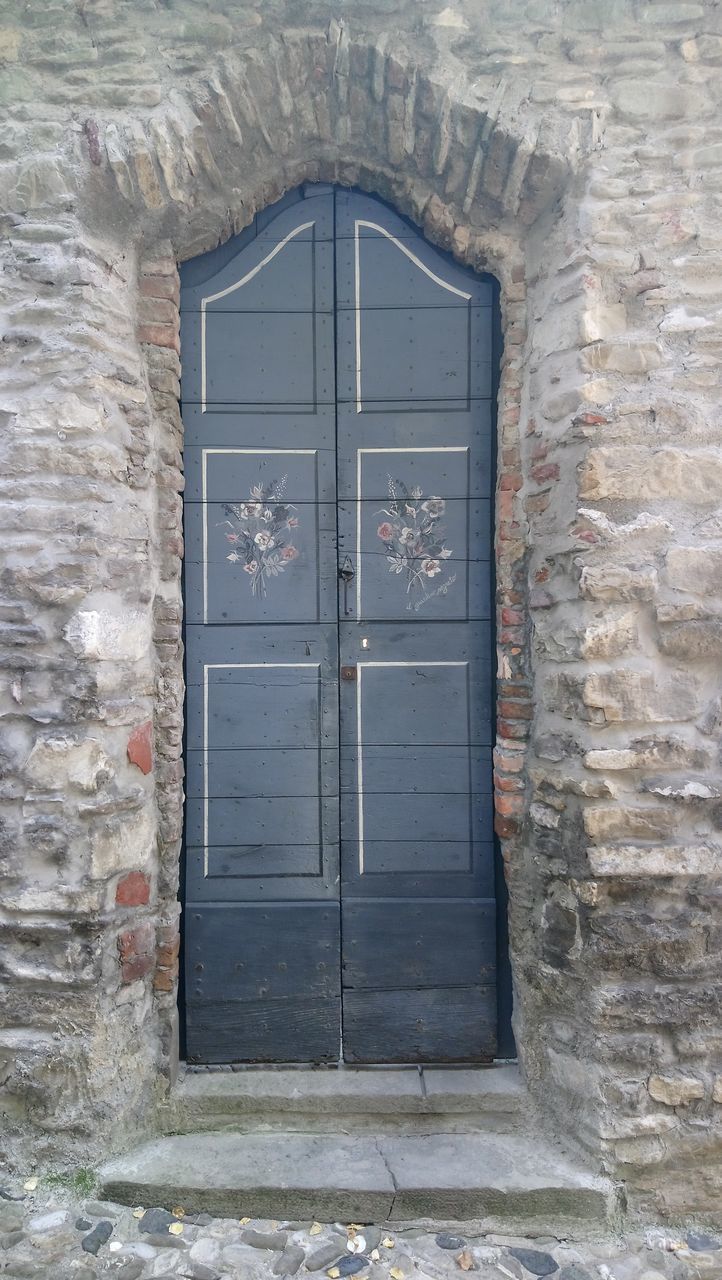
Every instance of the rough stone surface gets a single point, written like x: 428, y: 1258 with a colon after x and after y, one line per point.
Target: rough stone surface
x: 573, y: 149
x: 213, y: 1250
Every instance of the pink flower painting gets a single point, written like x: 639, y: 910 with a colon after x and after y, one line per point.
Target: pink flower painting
x: 413, y: 535
x: 258, y: 530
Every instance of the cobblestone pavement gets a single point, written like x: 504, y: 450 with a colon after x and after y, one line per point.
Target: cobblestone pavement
x: 51, y: 1232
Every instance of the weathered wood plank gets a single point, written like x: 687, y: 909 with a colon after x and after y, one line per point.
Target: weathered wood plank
x: 456, y: 1024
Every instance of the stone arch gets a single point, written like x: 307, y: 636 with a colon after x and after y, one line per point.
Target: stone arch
x: 482, y: 178
x: 475, y: 176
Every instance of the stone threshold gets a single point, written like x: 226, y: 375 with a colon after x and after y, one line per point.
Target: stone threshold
x: 313, y: 1098
x: 491, y: 1182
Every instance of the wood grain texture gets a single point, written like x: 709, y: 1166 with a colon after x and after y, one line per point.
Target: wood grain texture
x: 457, y: 1024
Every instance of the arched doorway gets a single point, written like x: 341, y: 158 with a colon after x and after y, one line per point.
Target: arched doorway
x: 339, y: 383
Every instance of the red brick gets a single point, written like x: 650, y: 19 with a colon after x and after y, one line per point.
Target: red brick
x: 507, y: 806
x: 510, y: 480
x: 511, y: 635
x: 157, y: 311
x: 140, y: 746
x: 159, y: 267
x: 136, y: 967
x: 508, y: 784
x: 545, y: 471
x: 133, y: 890
x: 505, y: 828
x: 139, y: 941
x: 505, y: 504
x: 160, y: 287
x: 160, y: 335
x: 167, y: 956
x: 591, y: 419
x: 536, y: 503
x: 515, y: 710
x: 511, y: 617
x: 510, y: 764
x: 513, y: 728
x: 163, y: 980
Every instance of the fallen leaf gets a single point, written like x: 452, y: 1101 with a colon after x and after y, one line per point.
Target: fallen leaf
x: 314, y: 1230
x: 178, y: 1212
x: 388, y: 1242
x: 465, y: 1260
x: 356, y: 1243
x: 30, y: 1185
x: 138, y: 1213
x: 333, y: 1274
x: 353, y: 1227
x: 396, y: 1273
x: 176, y: 1228
x: 374, y: 1255
x: 244, y: 1221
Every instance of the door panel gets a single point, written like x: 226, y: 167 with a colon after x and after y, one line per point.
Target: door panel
x: 262, y: 822
x: 337, y: 383
x: 414, y: 483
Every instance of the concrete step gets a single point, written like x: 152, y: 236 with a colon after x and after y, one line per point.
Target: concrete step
x: 347, y: 1098
x: 503, y: 1183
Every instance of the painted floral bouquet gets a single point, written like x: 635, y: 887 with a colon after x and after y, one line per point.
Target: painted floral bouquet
x: 413, y: 534
x: 259, y: 531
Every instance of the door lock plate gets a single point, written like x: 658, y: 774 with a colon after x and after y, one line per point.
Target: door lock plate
x: 348, y: 673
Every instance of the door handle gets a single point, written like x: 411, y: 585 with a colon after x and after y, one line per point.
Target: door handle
x: 346, y: 573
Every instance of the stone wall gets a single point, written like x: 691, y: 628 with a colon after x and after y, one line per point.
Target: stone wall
x: 575, y: 150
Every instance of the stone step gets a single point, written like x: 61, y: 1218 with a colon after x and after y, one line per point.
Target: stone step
x: 501, y: 1182
x: 322, y: 1100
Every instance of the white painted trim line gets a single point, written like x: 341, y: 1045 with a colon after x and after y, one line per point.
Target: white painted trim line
x: 359, y: 739
x: 374, y: 226
x: 357, y: 308
x: 227, y: 666
x: 213, y: 297
x: 204, y: 495
x: 441, y: 448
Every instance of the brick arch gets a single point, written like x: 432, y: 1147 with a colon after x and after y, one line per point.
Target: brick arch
x: 474, y: 180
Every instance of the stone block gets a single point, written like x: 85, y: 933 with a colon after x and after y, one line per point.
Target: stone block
x: 675, y: 1090
x: 638, y: 474
x: 109, y: 637
x: 695, y: 569
x: 645, y: 99
x: 651, y: 861
x: 9, y: 44
x: 619, y: 821
x: 61, y: 760
x: 693, y: 641
x: 650, y: 753
x: 622, y: 357
x: 122, y: 841
x: 603, y: 321
x: 627, y: 695
x: 682, y: 789
x: 618, y: 582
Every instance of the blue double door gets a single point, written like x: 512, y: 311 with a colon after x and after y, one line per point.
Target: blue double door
x: 339, y: 875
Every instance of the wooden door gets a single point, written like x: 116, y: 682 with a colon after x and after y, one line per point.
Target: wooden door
x: 414, y: 382
x: 262, y: 899
x: 337, y: 389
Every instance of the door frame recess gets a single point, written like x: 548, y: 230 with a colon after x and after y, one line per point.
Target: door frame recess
x: 196, y: 270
